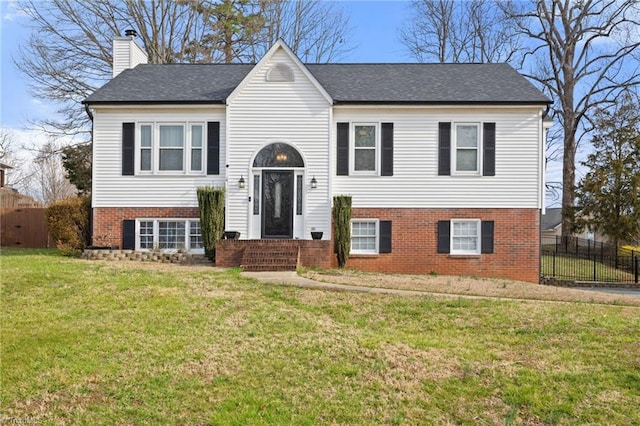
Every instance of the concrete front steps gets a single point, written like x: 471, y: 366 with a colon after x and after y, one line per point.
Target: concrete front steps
x: 270, y: 255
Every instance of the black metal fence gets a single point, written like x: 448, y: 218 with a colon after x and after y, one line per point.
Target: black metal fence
x: 578, y: 259
x: 579, y: 247
x: 600, y: 268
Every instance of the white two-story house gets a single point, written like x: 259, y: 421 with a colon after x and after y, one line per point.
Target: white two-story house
x: 444, y: 162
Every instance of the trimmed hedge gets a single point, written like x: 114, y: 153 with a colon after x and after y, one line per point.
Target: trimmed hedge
x: 68, y: 222
x: 342, y: 227
x: 211, y: 206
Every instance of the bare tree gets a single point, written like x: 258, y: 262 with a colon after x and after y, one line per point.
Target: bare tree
x: 582, y: 55
x: 11, y: 155
x: 460, y: 31
x: 316, y: 31
x: 69, y: 52
x: 49, y: 182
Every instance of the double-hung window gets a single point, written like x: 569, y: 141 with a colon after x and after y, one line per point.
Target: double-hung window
x: 171, y: 148
x: 196, y: 147
x: 465, y: 236
x: 365, y: 148
x: 145, y: 147
x: 364, y: 236
x: 467, y: 148
x: 170, y: 235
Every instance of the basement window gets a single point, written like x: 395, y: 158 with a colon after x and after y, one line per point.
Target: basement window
x: 169, y: 235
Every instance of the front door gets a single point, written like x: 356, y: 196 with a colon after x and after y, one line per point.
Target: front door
x: 277, y: 202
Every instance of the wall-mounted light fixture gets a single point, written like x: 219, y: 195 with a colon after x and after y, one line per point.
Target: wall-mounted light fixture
x: 242, y: 184
x: 314, y: 183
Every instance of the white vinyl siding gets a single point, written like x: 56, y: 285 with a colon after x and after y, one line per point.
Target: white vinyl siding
x: 147, y: 188
x: 415, y: 182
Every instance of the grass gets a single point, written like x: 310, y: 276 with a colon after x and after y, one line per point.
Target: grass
x: 582, y: 269
x: 132, y: 343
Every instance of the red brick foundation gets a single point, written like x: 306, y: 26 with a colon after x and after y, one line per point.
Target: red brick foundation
x: 414, y: 241
x: 414, y: 244
x: 107, y: 221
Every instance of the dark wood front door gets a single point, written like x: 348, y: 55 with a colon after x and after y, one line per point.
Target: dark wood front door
x: 277, y: 202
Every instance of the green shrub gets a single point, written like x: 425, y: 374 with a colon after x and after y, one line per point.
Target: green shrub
x: 68, y: 222
x: 342, y: 227
x: 211, y: 206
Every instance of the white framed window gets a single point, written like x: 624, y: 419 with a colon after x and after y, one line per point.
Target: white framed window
x: 466, y: 152
x: 197, y: 132
x: 364, y: 236
x: 170, y: 148
x: 365, y: 148
x: 146, y: 147
x: 465, y: 236
x: 169, y: 234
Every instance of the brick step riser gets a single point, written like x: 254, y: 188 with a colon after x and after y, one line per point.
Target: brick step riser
x: 270, y: 256
x: 261, y: 269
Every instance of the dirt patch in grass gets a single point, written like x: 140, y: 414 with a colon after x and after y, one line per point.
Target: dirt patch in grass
x: 487, y: 287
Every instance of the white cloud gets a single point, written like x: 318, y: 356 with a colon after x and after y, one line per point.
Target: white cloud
x: 12, y: 11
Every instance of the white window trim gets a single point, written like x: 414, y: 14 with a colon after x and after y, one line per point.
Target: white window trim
x: 377, y: 236
x: 352, y: 150
x: 454, y: 150
x: 478, y: 223
x: 156, y: 234
x: 155, y: 148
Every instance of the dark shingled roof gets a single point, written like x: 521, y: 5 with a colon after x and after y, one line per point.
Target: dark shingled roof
x: 551, y: 219
x: 345, y: 83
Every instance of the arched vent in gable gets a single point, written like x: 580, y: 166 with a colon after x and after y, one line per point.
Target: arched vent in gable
x: 280, y: 73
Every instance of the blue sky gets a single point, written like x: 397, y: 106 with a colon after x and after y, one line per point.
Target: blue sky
x: 375, y: 27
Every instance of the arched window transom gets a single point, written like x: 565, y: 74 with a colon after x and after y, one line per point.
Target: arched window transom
x: 278, y: 155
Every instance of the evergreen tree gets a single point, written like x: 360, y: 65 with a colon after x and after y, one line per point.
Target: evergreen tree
x: 609, y: 194
x: 76, y: 160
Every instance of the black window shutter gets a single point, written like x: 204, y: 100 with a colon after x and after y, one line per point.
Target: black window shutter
x: 385, y: 236
x: 489, y: 149
x: 128, y: 234
x: 444, y: 228
x: 487, y: 237
x: 387, y: 149
x: 342, y: 165
x: 128, y: 149
x: 213, y: 148
x: 444, y: 149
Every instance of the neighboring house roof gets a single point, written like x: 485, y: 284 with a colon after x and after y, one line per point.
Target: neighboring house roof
x: 551, y: 219
x: 345, y: 83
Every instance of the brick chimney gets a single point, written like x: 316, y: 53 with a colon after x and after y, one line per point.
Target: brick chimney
x: 127, y: 53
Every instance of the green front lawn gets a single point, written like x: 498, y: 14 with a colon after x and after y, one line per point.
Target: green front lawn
x: 107, y: 343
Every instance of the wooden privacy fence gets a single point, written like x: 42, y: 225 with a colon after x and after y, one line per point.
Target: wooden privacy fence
x: 24, y: 227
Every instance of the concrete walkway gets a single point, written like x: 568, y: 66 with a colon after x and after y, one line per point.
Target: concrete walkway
x: 291, y: 278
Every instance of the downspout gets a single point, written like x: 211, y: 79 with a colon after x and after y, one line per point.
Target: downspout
x: 90, y: 114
